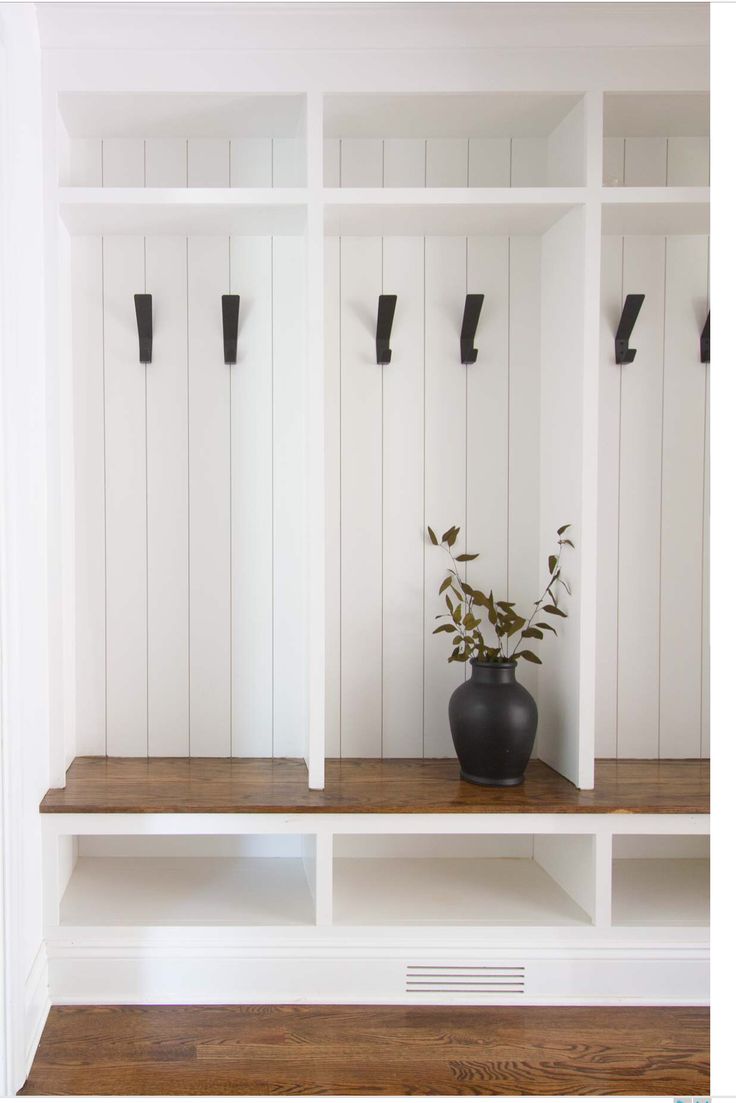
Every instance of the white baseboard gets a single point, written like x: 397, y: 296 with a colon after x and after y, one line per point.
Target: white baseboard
x: 212, y: 975
x: 37, y: 1004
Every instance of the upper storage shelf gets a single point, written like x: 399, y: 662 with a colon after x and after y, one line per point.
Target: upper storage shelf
x: 173, y: 140
x: 656, y: 139
x: 454, y: 141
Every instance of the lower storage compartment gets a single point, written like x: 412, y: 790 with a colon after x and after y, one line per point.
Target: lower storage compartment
x: 660, y: 880
x: 170, y: 881
x: 466, y: 880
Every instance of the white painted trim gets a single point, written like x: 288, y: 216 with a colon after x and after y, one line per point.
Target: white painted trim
x: 37, y: 1004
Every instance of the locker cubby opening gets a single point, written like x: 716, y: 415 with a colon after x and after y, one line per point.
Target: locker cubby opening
x: 661, y: 880
x: 178, y: 140
x: 463, y: 880
x: 186, y: 880
x: 656, y: 139
x: 652, y: 692
x: 495, y: 447
x: 453, y: 141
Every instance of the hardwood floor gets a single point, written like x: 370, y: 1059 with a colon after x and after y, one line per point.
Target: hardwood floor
x: 298, y: 1050
x: 368, y: 785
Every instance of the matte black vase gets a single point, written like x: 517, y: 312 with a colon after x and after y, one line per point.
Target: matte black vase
x: 493, y: 721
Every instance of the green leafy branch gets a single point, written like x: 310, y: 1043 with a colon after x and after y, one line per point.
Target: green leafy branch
x: 510, y: 628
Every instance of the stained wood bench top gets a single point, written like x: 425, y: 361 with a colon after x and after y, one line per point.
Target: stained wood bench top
x: 98, y: 784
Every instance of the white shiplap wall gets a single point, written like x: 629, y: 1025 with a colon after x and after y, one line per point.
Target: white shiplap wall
x: 185, y: 162
x: 189, y: 474
x: 656, y: 162
x: 423, y: 440
x: 189, y: 499
x: 652, y: 689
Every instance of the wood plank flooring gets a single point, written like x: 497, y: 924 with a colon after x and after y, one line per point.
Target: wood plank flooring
x: 368, y: 785
x: 298, y: 1050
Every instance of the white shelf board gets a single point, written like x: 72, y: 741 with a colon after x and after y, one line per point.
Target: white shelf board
x: 656, y: 210
x: 450, y: 891
x: 661, y: 892
x: 445, y: 211
x: 248, y: 211
x: 154, y: 892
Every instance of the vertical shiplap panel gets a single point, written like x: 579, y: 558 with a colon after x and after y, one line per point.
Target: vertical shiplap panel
x: 403, y: 502
x: 332, y: 495
x: 289, y: 498
x: 645, y: 162
x: 613, y: 162
x: 404, y: 162
x: 486, y: 529
x: 331, y: 163
x: 208, y: 162
x: 122, y: 163
x: 289, y: 170
x: 445, y: 467
x: 640, y: 506
x: 167, y: 500
x: 166, y: 162
x: 361, y: 163
x: 209, y: 502
x: 89, y: 492
x: 524, y: 552
x: 528, y: 162
x: 609, y: 414
x: 251, y: 384
x: 251, y: 163
x: 688, y: 162
x: 489, y: 163
x: 447, y: 162
x: 686, y: 283
x: 125, y: 495
x: 85, y: 163
x: 360, y: 497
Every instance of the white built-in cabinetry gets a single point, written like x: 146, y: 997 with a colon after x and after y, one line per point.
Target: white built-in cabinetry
x: 244, y: 550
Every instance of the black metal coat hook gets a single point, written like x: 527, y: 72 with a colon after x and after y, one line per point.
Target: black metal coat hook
x: 471, y: 314
x: 629, y: 314
x: 705, y: 342
x: 230, y: 311
x: 144, y: 320
x: 384, y: 322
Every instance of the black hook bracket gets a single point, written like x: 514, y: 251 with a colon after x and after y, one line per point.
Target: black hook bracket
x: 144, y: 320
x: 230, y: 311
x: 629, y: 314
x: 471, y: 314
x: 705, y: 342
x: 384, y: 322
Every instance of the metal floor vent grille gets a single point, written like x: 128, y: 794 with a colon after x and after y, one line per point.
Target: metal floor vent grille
x: 475, y: 980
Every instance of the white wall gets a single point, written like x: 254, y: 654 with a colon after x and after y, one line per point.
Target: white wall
x: 189, y: 499
x: 652, y: 683
x: 24, y: 609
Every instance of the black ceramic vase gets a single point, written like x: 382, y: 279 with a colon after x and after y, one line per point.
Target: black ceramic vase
x: 493, y: 721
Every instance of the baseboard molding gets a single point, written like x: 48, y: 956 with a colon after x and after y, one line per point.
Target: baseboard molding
x: 394, y: 976
x: 37, y: 1004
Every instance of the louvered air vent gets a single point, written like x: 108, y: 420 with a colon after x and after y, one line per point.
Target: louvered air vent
x: 475, y: 980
